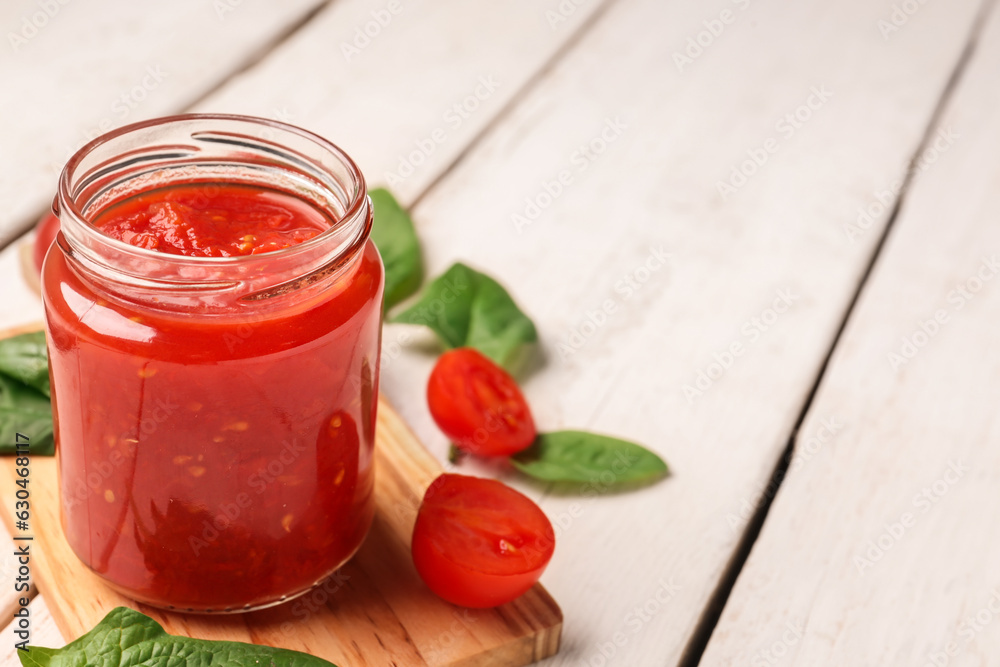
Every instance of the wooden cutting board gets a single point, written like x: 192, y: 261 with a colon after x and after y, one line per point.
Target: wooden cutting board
x: 375, y: 611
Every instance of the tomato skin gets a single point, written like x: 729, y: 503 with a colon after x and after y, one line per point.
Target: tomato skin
x: 45, y: 233
x: 479, y: 543
x: 478, y: 405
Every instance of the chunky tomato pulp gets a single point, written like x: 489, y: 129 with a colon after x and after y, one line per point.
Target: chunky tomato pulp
x: 215, y: 460
x: 212, y: 220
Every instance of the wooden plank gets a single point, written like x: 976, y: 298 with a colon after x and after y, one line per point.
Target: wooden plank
x: 21, y: 304
x: 75, y: 70
x: 378, y: 100
x: 406, y: 101
x: 420, y: 89
x: 634, y: 571
x: 881, y: 549
x: 674, y: 182
x: 373, y: 611
x: 407, y: 72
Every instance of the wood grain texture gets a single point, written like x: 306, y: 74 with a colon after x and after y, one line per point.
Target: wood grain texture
x: 634, y: 571
x: 407, y: 82
x: 374, y: 611
x: 881, y: 547
x: 83, y: 68
x: 408, y: 102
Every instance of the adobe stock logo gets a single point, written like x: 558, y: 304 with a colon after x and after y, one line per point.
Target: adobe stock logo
x: 459, y: 112
x: 751, y: 330
x: 629, y: 284
x: 633, y: 623
x: 927, y: 498
x: 901, y: 14
x: 562, y: 13
x: 805, y: 450
x: 550, y: 190
x: 924, y: 333
x: 786, y: 126
x: 884, y: 199
x: 33, y: 23
x: 698, y: 44
x: 366, y: 33
x: 968, y: 630
x: 777, y: 650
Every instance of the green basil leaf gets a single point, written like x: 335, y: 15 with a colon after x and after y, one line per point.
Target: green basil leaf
x: 396, y: 240
x: 25, y: 358
x: 126, y: 638
x: 466, y: 308
x: 581, y: 457
x: 26, y: 411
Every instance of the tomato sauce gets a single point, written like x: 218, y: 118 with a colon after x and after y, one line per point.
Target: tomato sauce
x: 212, y: 221
x: 214, y: 461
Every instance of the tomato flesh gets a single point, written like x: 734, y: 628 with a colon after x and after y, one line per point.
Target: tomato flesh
x: 45, y: 234
x: 216, y: 220
x: 478, y: 405
x: 479, y: 543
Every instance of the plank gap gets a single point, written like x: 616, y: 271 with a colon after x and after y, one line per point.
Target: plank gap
x: 695, y: 649
x: 256, y: 56
x: 518, y: 97
x: 260, y: 54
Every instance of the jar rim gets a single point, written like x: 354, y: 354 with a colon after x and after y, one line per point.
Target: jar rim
x: 66, y: 201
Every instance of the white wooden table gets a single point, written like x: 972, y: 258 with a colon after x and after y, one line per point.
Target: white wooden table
x: 813, y: 357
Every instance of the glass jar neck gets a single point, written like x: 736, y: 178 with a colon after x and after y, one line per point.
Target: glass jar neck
x: 211, y: 149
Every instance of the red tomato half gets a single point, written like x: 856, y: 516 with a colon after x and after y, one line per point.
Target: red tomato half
x: 45, y: 234
x: 478, y: 405
x: 479, y: 543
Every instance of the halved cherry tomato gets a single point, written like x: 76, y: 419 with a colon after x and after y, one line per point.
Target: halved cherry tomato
x: 479, y: 543
x: 45, y: 233
x: 478, y: 405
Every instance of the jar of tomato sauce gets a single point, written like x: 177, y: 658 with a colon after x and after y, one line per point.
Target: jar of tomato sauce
x: 213, y: 305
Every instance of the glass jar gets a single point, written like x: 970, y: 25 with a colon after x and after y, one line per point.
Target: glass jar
x: 214, y: 416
